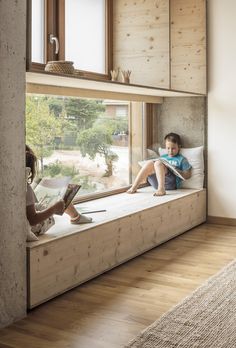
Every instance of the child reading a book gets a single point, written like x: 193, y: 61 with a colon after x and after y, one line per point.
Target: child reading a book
x: 158, y: 174
x: 42, y: 219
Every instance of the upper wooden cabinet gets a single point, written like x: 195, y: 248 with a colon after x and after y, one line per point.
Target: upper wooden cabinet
x: 141, y: 40
x: 188, y: 45
x: 163, y: 42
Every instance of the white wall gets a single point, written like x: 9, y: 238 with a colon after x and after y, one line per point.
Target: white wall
x: 222, y: 108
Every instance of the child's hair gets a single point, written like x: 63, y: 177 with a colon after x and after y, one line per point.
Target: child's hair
x: 31, y: 162
x: 174, y: 138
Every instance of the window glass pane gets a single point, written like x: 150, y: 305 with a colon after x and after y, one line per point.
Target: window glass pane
x: 82, y: 138
x: 37, y: 41
x: 85, y: 34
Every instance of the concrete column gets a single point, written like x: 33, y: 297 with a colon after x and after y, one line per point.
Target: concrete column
x: 12, y: 171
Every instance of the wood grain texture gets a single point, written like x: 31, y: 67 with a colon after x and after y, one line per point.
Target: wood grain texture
x: 88, y: 93
x: 221, y: 220
x: 188, y: 45
x: 64, y: 262
x: 43, y: 82
x: 108, y: 311
x: 141, y: 40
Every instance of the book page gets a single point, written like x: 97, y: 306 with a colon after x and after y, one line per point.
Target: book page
x: 171, y: 168
x: 141, y: 163
x: 51, y: 190
x: 166, y: 163
x: 71, y: 191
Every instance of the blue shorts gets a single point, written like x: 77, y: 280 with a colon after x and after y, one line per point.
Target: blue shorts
x: 170, y: 181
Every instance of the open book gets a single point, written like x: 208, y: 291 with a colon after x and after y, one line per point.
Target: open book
x: 48, y: 191
x: 166, y: 163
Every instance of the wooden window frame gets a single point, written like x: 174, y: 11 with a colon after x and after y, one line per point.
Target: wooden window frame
x: 55, y: 23
x: 145, y: 110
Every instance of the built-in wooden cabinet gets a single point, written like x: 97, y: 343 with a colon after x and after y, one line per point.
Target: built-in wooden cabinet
x: 162, y: 42
x: 188, y: 45
x: 141, y: 40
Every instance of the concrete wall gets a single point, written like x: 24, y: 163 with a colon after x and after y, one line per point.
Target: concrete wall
x: 221, y: 108
x: 12, y: 172
x: 185, y: 116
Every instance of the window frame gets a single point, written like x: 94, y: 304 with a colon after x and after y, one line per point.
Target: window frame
x: 55, y: 23
x: 132, y: 134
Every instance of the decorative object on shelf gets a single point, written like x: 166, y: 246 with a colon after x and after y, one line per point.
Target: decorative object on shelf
x: 115, y: 74
x: 60, y: 67
x: 126, y: 76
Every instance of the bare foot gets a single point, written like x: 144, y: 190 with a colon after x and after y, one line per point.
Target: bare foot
x: 131, y: 190
x: 159, y: 192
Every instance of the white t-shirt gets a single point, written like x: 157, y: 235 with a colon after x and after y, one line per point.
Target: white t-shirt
x: 43, y: 226
x: 30, y: 196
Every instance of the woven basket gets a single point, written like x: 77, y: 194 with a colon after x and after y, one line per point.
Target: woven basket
x: 60, y: 67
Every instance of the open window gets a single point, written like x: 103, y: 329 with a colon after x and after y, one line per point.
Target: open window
x: 72, y: 30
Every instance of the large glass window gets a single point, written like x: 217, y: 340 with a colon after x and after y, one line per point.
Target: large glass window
x: 86, y: 139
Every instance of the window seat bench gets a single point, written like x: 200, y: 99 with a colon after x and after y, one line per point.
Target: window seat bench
x: 68, y: 255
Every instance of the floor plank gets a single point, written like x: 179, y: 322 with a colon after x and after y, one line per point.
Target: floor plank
x: 111, y: 309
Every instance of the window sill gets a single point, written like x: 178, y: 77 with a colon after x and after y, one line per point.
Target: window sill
x: 48, y: 83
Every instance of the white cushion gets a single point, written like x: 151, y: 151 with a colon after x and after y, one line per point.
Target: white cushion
x: 151, y: 154
x: 195, y: 157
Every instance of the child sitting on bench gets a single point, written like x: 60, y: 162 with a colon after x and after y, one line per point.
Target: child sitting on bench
x: 41, y: 220
x: 158, y: 175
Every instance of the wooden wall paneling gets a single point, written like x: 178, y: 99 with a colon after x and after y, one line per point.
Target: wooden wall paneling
x: 141, y: 40
x: 188, y: 45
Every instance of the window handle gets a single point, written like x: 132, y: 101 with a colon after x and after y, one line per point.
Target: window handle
x: 53, y: 39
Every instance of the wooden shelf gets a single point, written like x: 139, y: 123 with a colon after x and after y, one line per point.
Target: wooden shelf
x: 48, y: 83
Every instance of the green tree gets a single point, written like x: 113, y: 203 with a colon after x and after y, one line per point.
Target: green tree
x: 98, y: 140
x: 56, y: 105
x: 115, y: 126
x: 41, y: 126
x: 83, y: 112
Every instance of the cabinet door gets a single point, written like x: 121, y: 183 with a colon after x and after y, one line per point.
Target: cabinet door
x: 188, y: 45
x: 141, y: 40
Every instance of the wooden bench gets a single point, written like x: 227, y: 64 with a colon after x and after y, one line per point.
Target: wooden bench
x: 69, y: 255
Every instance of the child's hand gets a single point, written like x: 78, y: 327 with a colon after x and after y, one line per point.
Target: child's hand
x: 59, y: 207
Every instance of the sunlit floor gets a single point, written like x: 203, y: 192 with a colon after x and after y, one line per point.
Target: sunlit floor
x: 111, y: 309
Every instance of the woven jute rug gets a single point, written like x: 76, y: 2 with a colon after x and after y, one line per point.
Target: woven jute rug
x: 206, y: 318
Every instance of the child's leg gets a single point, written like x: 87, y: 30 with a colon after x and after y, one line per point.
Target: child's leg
x: 146, y: 170
x: 160, y: 171
x: 71, y: 211
x: 75, y: 217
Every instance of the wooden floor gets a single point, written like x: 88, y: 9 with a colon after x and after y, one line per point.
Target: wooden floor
x: 111, y: 309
